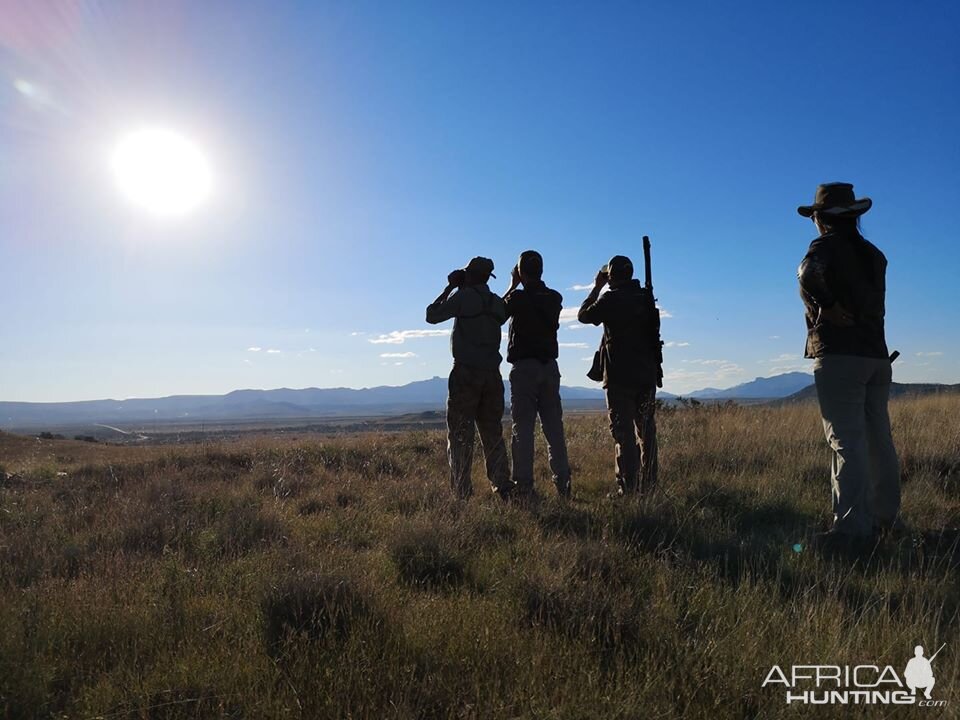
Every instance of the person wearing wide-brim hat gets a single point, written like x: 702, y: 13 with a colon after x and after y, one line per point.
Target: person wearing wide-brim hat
x: 843, y: 286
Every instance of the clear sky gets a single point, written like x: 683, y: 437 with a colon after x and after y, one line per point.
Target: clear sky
x: 361, y: 150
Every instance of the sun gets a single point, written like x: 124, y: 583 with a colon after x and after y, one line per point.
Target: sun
x: 161, y: 171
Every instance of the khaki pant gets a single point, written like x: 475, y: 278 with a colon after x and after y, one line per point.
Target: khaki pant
x: 632, y: 415
x: 476, y: 399
x: 535, y: 390
x: 865, y: 477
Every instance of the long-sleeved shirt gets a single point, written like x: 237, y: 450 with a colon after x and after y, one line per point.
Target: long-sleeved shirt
x: 631, y: 334
x: 534, y: 313
x: 477, y: 316
x: 844, y: 268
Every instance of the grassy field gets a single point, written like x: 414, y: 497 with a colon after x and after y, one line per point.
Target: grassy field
x: 321, y: 578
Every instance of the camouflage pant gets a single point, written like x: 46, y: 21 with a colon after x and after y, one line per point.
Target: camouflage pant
x: 476, y: 399
x: 632, y: 414
x: 535, y: 390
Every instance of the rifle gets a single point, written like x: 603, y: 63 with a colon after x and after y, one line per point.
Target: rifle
x: 647, y: 280
x: 648, y: 284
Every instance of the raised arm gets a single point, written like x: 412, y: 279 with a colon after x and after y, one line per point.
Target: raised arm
x: 591, y: 311
x: 445, y: 306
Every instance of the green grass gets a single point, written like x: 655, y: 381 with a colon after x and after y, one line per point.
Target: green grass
x: 339, y: 578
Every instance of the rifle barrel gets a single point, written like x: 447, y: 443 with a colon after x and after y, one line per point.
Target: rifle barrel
x: 647, y: 278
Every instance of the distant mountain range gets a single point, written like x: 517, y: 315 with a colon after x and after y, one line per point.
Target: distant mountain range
x: 255, y: 405
x: 420, y: 396
x: 778, y: 386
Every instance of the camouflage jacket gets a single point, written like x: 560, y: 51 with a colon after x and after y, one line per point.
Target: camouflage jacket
x: 477, y: 316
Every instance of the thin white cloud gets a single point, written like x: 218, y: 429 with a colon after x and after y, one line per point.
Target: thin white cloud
x: 664, y: 313
x: 398, y: 355
x: 935, y: 353
x: 588, y: 286
x: 568, y: 315
x: 254, y: 349
x: 683, y: 380
x: 700, y: 361
x: 398, y: 337
x: 674, y: 343
x: 796, y: 367
x: 357, y: 333
x: 781, y: 358
x: 273, y: 351
x: 774, y: 337
x: 573, y: 345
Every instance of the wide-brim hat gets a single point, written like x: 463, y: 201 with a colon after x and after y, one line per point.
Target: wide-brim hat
x: 836, y: 199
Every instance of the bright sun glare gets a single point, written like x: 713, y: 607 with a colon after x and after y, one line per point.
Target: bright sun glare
x: 161, y: 171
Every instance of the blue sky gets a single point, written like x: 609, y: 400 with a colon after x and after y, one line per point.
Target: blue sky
x: 362, y: 150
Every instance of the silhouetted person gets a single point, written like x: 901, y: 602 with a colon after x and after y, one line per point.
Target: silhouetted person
x: 534, y: 313
x: 630, y: 354
x: 919, y: 673
x: 475, y: 387
x: 843, y: 286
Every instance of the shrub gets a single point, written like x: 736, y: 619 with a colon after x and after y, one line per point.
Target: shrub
x: 244, y: 527
x: 316, y: 606
x: 426, y: 558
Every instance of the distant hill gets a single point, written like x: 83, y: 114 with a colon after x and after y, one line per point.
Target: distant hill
x: 896, y: 390
x: 422, y: 396
x: 415, y: 397
x: 778, y: 386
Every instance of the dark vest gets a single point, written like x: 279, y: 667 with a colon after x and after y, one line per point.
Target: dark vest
x: 534, y: 313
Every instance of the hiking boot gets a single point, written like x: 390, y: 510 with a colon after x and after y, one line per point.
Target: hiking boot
x: 563, y: 489
x: 895, y: 530
x: 834, y: 544
x: 619, y: 494
x: 529, y: 499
